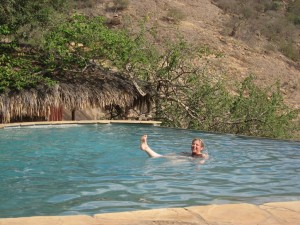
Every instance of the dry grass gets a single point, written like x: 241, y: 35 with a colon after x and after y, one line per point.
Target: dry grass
x: 98, y: 91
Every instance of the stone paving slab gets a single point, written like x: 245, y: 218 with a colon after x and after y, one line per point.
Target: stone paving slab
x: 50, y: 220
x: 154, y: 217
x: 284, y: 212
x: 277, y: 213
x: 234, y: 214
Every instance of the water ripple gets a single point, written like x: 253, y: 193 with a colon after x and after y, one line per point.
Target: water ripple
x: 92, y: 169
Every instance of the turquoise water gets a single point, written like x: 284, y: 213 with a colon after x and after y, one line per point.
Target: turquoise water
x: 90, y: 169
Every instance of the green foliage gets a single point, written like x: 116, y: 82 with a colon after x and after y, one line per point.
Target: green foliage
x: 4, y: 29
x: 260, y: 112
x: 209, y: 107
x: 72, y: 46
x: 188, y: 98
x: 82, y: 39
x: 18, y: 72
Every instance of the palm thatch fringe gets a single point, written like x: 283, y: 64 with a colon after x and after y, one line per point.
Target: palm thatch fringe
x: 97, y: 90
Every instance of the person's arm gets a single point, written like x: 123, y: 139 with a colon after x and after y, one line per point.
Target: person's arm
x: 144, y: 146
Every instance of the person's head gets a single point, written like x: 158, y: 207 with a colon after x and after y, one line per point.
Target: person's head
x: 197, y: 146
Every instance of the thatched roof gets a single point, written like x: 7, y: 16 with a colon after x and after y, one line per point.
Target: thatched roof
x: 90, y: 89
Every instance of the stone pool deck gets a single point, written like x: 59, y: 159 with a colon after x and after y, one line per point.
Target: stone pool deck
x: 276, y: 213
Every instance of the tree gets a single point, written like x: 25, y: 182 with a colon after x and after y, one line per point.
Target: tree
x: 187, y: 97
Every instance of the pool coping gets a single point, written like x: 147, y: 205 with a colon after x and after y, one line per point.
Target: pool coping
x: 274, y: 213
x: 70, y: 122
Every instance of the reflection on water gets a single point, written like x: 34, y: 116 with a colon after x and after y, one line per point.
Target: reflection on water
x: 89, y: 169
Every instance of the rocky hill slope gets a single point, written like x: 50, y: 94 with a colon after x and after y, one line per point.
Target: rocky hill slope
x: 203, y: 22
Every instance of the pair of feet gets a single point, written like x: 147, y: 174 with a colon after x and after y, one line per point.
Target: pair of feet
x: 144, y: 145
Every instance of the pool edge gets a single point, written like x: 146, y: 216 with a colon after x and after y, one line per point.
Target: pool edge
x: 24, y: 124
x: 275, y: 213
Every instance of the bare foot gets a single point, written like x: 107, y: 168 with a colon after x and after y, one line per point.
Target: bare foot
x: 144, y: 146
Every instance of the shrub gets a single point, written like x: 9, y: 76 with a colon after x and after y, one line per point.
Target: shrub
x: 81, y: 4
x: 20, y: 71
x: 175, y: 15
x: 275, y: 5
x: 260, y: 112
x: 290, y: 50
x: 28, y: 15
x: 208, y: 106
x: 189, y: 98
x: 294, y: 12
x: 118, y: 5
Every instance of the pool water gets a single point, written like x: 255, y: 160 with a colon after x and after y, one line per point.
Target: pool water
x: 90, y: 169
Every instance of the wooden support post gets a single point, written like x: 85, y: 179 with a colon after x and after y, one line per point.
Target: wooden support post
x: 73, y: 114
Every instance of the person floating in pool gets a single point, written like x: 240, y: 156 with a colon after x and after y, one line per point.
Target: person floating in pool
x: 197, y: 147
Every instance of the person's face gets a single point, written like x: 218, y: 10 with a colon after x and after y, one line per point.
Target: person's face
x: 196, y: 147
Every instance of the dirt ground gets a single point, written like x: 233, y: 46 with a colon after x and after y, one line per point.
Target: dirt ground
x: 203, y: 23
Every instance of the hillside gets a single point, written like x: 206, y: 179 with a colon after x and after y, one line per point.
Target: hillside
x: 204, y: 23
x: 195, y: 59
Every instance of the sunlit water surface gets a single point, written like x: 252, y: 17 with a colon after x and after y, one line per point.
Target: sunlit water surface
x: 90, y: 169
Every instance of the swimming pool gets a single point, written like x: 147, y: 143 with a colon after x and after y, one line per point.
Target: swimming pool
x: 90, y: 169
